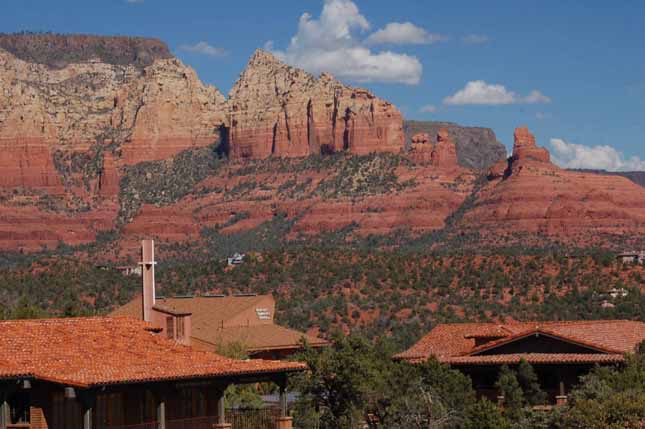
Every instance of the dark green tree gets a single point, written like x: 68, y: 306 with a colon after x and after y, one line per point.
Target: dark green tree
x: 510, y: 389
x: 484, y: 414
x: 526, y: 376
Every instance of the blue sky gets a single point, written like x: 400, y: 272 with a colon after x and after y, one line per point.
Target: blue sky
x: 573, y: 71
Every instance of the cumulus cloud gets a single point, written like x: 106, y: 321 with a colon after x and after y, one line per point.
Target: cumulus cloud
x: 332, y: 43
x: 403, y: 33
x: 480, y: 92
x: 205, y: 49
x: 428, y: 109
x: 475, y: 39
x: 570, y: 155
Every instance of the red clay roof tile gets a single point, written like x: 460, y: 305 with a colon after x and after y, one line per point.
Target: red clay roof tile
x: 102, y: 350
x: 452, y: 343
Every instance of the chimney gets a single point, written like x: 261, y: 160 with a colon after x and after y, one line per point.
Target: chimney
x: 148, y: 267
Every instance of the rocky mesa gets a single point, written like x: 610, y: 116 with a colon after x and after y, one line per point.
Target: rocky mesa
x: 59, y: 114
x: 279, y: 110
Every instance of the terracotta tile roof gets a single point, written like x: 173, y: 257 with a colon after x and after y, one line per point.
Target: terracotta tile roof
x: 102, y: 350
x: 211, y: 309
x: 211, y: 321
x: 455, y: 343
x: 535, y: 358
x: 264, y: 337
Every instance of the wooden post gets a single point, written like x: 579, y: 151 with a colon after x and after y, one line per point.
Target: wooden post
x: 161, y: 414
x: 87, y: 399
x: 87, y: 418
x: 561, y: 399
x: 4, y: 412
x: 284, y: 421
x: 221, y: 411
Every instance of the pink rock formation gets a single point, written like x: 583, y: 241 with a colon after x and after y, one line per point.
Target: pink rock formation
x: 421, y: 149
x: 280, y: 110
x: 444, y: 153
x: 530, y: 194
x: 525, y: 147
x: 150, y: 113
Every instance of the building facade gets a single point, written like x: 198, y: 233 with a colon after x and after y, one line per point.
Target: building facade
x: 560, y: 352
x: 114, y: 373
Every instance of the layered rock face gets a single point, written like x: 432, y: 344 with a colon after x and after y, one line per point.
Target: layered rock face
x: 421, y: 149
x: 477, y: 147
x: 444, y: 153
x: 280, y: 110
x: 524, y: 147
x: 50, y: 113
x: 74, y: 111
x: 529, y: 194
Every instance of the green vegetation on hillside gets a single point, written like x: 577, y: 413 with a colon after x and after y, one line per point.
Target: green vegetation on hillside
x: 164, y: 182
x: 377, y: 294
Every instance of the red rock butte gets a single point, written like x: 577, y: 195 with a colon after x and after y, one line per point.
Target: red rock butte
x: 279, y: 110
x: 527, y: 193
x: 444, y: 153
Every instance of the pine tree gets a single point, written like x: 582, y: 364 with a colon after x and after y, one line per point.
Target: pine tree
x: 529, y: 383
x: 509, y: 387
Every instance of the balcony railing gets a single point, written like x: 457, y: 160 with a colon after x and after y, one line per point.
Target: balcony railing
x: 263, y: 418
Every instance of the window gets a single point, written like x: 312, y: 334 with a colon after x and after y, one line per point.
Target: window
x: 170, y: 327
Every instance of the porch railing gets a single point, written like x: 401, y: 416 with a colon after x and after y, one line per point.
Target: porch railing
x: 263, y: 418
x: 205, y: 422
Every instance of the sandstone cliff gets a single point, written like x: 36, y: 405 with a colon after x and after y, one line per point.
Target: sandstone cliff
x: 283, y: 111
x: 529, y: 194
x: 444, y: 153
x: 441, y: 154
x: 477, y: 147
x: 57, y: 121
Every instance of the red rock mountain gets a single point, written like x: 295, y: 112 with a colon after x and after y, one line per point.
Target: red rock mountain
x: 529, y: 194
x: 117, y: 135
x: 280, y: 110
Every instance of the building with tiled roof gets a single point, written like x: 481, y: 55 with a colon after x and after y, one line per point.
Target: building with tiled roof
x: 217, y: 321
x: 105, y: 372
x: 559, y: 351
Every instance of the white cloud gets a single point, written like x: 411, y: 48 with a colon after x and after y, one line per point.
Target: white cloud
x: 428, y: 109
x: 331, y: 44
x: 536, y: 97
x: 204, y: 48
x: 482, y: 93
x: 475, y: 39
x: 405, y: 33
x: 570, y: 155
